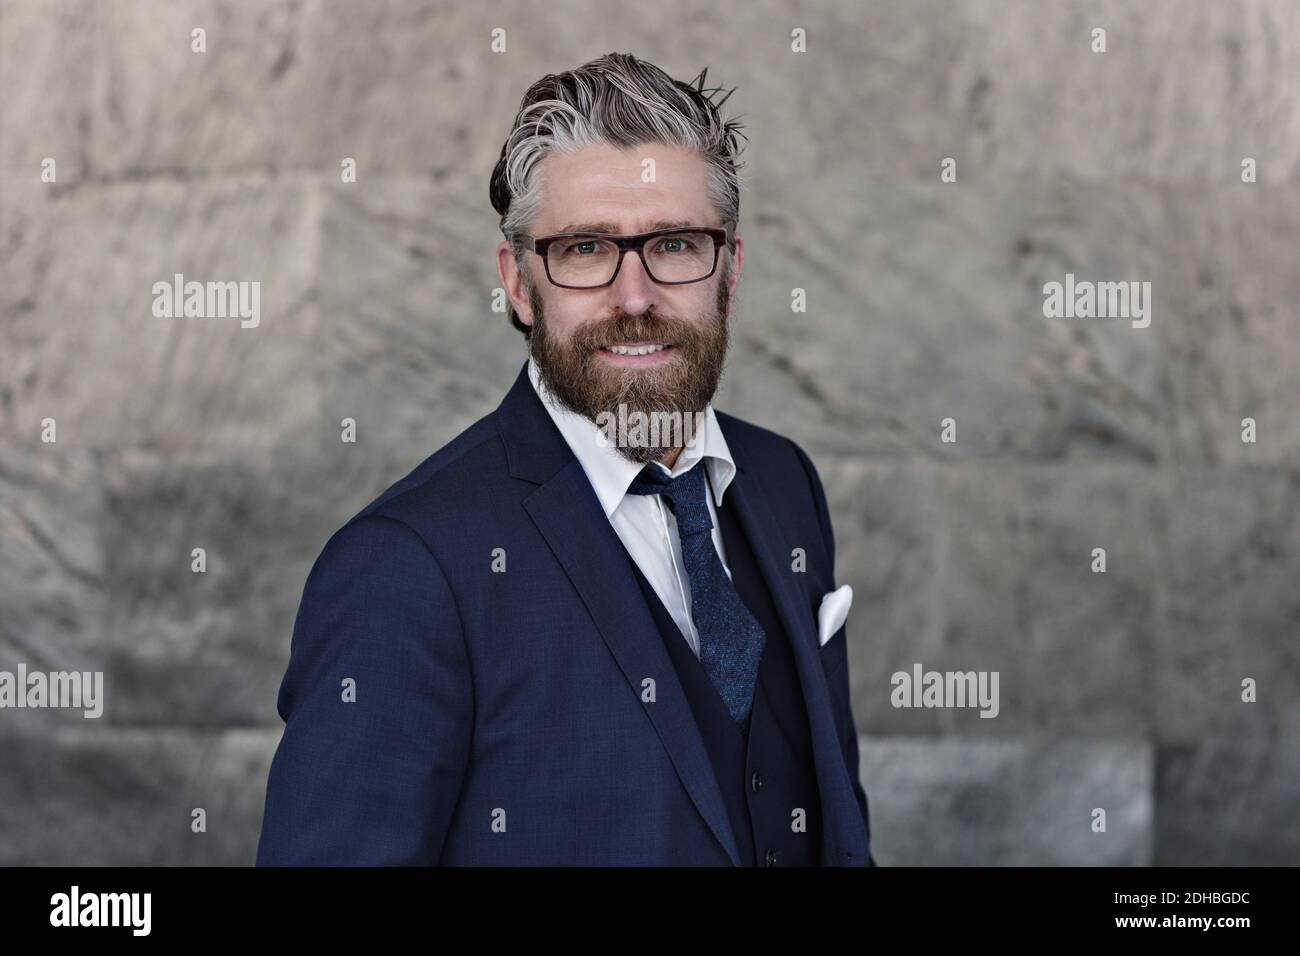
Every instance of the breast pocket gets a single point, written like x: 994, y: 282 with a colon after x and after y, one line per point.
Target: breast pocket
x: 834, y: 653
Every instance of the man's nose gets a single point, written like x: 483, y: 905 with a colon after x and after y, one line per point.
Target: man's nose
x: 633, y: 290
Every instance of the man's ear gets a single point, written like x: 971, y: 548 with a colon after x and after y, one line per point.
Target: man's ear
x: 513, y: 281
x: 737, y: 263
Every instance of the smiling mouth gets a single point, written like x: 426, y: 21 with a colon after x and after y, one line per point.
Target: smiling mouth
x: 637, y: 348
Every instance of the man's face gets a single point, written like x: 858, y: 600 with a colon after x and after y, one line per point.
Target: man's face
x: 572, y: 328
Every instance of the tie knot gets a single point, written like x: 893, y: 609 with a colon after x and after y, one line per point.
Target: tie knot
x: 685, y: 494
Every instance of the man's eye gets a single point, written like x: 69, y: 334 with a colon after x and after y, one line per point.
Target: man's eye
x: 585, y: 247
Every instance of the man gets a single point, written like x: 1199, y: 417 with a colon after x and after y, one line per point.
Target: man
x: 564, y: 638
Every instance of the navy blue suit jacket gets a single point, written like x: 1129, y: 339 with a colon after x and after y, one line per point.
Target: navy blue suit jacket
x: 498, y: 715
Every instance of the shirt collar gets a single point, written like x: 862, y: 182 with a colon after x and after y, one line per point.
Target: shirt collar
x: 610, y: 473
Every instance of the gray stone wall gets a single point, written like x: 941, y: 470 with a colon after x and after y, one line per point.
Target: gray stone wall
x: 1119, y: 690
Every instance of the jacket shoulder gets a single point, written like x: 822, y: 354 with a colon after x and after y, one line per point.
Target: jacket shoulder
x: 449, y: 481
x: 762, y: 446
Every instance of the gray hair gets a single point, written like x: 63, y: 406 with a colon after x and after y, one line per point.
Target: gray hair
x: 621, y: 101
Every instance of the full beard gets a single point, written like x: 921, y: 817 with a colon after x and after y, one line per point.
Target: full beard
x: 681, y: 386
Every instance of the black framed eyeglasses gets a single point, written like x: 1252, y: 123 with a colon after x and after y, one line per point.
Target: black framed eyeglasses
x: 591, y: 260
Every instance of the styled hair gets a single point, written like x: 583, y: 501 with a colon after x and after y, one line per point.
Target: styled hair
x: 615, y: 100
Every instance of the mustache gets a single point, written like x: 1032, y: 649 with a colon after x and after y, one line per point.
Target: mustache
x: 635, y: 328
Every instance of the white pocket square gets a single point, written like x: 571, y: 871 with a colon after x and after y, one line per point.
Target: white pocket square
x: 833, y: 613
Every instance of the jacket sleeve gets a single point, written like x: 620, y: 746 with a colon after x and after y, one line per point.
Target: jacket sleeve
x: 377, y: 703
x: 849, y: 730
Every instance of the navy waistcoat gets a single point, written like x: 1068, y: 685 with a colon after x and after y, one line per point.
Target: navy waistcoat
x: 763, y: 779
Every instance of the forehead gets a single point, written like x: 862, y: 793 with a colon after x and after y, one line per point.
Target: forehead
x: 603, y: 188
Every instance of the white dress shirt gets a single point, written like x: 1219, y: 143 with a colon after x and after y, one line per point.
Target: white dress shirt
x: 644, y: 523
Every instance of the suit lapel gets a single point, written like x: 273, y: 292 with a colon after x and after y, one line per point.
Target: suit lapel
x: 843, y: 829
x: 568, y: 515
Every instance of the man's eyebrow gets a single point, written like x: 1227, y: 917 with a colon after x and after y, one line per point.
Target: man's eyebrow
x: 612, y: 228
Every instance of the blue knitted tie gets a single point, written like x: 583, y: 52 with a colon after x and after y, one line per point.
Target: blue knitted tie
x: 731, y: 640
